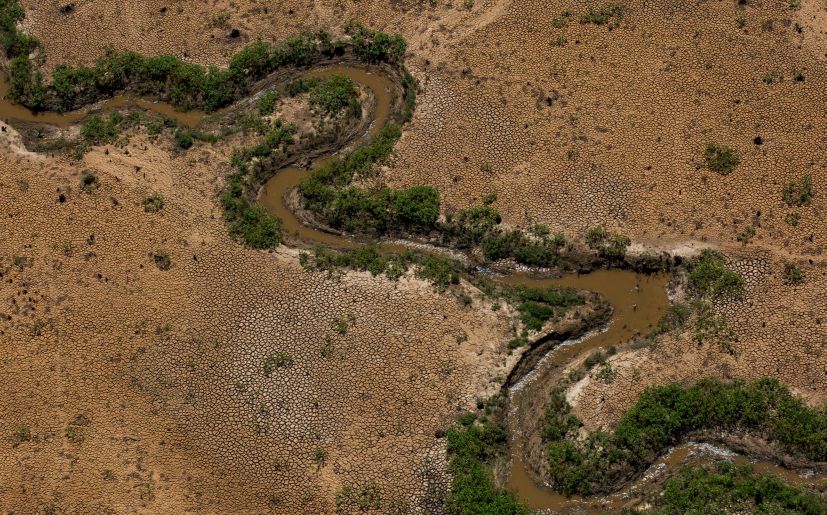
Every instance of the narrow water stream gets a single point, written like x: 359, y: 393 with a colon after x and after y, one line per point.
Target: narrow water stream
x: 273, y: 193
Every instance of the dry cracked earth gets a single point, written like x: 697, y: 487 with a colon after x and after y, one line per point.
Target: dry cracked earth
x: 142, y: 387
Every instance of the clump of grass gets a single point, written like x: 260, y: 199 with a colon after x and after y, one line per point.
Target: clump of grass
x: 99, y: 131
x: 792, y: 219
x: 745, y: 236
x: 538, y: 305
x: 267, y: 102
x: 153, y: 203
x: 613, y: 13
x: 721, y: 158
x: 607, y: 244
x: 798, y: 193
x: 793, y: 274
x: 274, y: 361
x: 89, y: 182
x: 21, y: 435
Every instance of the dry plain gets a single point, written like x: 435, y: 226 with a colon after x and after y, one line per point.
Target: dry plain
x: 156, y: 372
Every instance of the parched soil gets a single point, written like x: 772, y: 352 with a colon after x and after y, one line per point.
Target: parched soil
x: 599, y: 127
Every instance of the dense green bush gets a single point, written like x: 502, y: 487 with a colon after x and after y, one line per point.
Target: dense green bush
x: 728, y: 488
x: 98, y: 130
x: 473, y: 447
x: 721, y: 158
x: 663, y: 416
x: 335, y: 94
x: 375, y: 46
x: 710, y: 277
x: 246, y: 221
x: 538, y: 305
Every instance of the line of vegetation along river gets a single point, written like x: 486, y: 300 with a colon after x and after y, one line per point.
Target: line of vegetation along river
x: 638, y: 300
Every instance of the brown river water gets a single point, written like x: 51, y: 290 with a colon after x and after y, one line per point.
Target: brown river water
x: 638, y: 300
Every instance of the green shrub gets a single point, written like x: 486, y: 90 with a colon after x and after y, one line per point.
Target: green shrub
x: 250, y: 223
x: 538, y: 305
x: 183, y: 139
x: 608, y: 245
x: 89, y: 182
x: 274, y: 361
x: 472, y: 449
x: 613, y: 13
x: 798, y: 193
x: 267, y: 102
x: 441, y: 272
x: 793, y: 274
x: 709, y: 276
x: 728, y: 488
x: 721, y: 158
x: 375, y: 46
x: 335, y: 94
x: 99, y: 131
x: 663, y: 416
x: 153, y: 203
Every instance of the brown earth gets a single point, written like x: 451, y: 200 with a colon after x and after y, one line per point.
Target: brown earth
x: 608, y: 128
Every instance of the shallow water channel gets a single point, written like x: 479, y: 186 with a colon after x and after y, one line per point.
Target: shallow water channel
x: 277, y: 187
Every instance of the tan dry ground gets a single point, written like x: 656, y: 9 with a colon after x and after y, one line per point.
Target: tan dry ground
x: 636, y: 105
x: 167, y: 365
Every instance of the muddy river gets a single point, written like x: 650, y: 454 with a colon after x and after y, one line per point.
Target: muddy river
x: 638, y: 300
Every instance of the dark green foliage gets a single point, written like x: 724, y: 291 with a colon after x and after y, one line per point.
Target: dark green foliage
x: 721, y: 158
x: 675, y: 316
x: 416, y: 209
x: 729, y: 488
x: 375, y: 46
x: 183, y: 138
x: 663, y: 416
x: 709, y: 276
x: 14, y: 42
x: 301, y: 85
x: 440, y: 271
x: 335, y: 94
x: 469, y: 227
x: 99, y: 131
x: 326, y: 191
x: 246, y: 221
x: 185, y: 85
x: 473, y: 447
x: 542, y: 252
x: 267, y: 102
x: 798, y: 193
x: 607, y: 244
x: 538, y: 305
